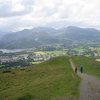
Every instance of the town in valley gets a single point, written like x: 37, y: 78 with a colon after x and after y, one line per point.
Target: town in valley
x: 11, y: 59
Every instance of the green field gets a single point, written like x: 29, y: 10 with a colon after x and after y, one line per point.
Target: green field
x: 35, y: 63
x: 56, y: 52
x: 61, y: 52
x: 51, y: 80
x: 90, y: 65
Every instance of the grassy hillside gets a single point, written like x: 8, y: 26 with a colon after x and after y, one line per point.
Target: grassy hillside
x: 90, y: 65
x: 51, y: 80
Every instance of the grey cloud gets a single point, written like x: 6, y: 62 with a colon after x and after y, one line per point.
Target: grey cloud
x: 48, y: 11
x: 42, y: 12
x: 6, y: 10
x: 28, y: 2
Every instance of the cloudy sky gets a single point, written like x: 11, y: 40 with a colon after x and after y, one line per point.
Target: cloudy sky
x: 20, y: 14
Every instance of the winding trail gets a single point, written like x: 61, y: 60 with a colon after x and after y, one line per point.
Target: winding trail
x: 89, y: 86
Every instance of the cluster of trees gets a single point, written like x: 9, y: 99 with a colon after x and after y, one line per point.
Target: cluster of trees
x: 21, y: 63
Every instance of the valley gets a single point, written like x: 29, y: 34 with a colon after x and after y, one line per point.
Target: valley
x: 35, y: 65
x: 26, y: 57
x: 49, y: 49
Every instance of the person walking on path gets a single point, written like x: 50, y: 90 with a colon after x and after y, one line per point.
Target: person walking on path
x: 89, y: 85
x: 75, y: 68
x: 81, y: 68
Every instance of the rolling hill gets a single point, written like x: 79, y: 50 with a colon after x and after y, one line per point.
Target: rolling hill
x: 91, y: 66
x: 51, y: 80
x: 35, y: 37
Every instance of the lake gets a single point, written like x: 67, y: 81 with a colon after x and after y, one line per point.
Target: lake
x: 11, y: 51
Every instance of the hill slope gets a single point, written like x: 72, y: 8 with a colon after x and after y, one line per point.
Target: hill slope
x: 51, y: 80
x: 91, y: 66
x: 29, y: 38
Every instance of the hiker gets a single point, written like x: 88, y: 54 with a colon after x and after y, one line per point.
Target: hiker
x: 81, y: 68
x: 75, y: 68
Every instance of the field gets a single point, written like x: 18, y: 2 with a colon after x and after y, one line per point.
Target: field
x: 56, y: 52
x: 36, y: 63
x: 51, y: 80
x: 91, y: 66
x: 61, y: 52
x: 40, y: 53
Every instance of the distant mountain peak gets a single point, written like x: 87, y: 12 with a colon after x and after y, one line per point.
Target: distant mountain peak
x: 29, y: 38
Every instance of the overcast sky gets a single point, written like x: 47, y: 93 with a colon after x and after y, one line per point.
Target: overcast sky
x: 19, y: 14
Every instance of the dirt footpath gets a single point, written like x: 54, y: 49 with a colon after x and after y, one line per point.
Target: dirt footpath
x: 89, y: 87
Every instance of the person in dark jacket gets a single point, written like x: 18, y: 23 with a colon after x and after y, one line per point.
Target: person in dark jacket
x: 81, y: 68
x: 75, y: 68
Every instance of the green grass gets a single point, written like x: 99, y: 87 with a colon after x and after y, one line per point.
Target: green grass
x: 51, y: 80
x: 90, y: 65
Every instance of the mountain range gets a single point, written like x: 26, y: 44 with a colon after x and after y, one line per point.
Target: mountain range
x: 29, y: 38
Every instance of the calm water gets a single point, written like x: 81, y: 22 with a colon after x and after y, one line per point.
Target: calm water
x: 11, y: 51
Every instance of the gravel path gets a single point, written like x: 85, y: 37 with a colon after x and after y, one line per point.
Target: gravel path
x: 89, y: 87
